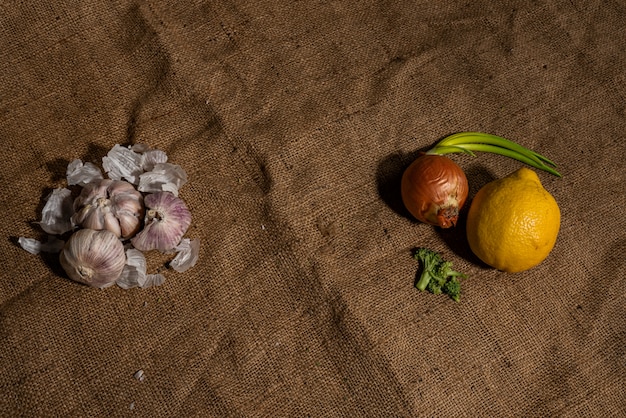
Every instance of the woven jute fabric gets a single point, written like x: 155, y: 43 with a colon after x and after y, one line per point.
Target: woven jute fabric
x: 294, y: 121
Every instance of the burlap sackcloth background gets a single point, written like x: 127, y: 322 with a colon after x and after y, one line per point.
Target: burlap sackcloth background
x: 294, y: 121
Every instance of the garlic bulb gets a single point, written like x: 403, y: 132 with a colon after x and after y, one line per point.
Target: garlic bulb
x: 112, y: 213
x: 93, y: 257
x: 167, y: 220
x: 114, y: 205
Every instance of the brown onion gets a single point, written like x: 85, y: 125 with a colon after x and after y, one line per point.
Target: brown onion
x: 434, y: 189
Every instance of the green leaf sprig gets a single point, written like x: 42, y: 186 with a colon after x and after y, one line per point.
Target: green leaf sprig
x: 468, y: 142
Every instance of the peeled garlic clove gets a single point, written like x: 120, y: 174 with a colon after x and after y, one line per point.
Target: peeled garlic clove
x: 113, y: 205
x: 167, y: 219
x: 95, y: 258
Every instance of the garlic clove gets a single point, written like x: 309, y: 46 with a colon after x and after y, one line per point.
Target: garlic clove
x: 112, y: 224
x: 167, y: 219
x: 114, y: 205
x: 90, y: 205
x: 89, y: 218
x: 126, y: 212
x: 57, y: 212
x: 129, y: 223
x: 95, y: 258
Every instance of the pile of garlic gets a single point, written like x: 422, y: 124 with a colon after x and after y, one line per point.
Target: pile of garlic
x: 114, y: 220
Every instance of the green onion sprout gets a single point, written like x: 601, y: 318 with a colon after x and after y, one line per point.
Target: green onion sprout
x: 468, y: 142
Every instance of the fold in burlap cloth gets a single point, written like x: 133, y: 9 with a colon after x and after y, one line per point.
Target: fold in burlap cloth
x: 294, y: 121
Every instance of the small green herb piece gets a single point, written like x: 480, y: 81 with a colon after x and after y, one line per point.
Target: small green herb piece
x: 437, y: 275
x: 468, y: 142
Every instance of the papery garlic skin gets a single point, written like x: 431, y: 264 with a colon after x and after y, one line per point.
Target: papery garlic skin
x: 153, y: 280
x: 123, y: 163
x: 134, y: 272
x: 140, y: 148
x: 152, y: 157
x: 33, y: 246
x: 57, y: 212
x: 167, y: 219
x: 163, y: 177
x: 82, y: 173
x: 95, y: 258
x: 114, y: 205
x: 188, y: 253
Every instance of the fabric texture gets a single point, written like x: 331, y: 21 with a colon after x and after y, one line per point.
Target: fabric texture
x: 294, y: 121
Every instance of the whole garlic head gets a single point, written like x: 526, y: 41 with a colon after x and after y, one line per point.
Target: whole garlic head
x: 167, y: 220
x: 114, y: 205
x: 92, y: 257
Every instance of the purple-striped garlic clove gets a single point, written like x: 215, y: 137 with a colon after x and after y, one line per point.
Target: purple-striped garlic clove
x: 167, y: 219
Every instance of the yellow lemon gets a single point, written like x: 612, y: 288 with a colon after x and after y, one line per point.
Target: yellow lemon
x: 513, y: 222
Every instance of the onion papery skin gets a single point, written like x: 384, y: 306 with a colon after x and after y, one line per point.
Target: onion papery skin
x: 434, y: 189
